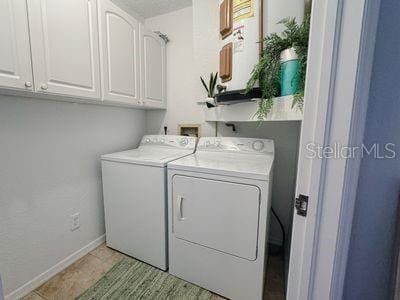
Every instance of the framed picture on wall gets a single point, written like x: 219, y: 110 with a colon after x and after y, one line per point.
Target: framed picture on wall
x: 189, y: 130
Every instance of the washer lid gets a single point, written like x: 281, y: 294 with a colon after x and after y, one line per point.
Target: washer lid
x: 155, y: 156
x: 155, y: 150
x: 238, y: 157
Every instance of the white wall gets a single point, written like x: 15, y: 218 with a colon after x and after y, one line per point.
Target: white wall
x: 181, y: 104
x: 206, y: 48
x: 276, y: 11
x: 191, y: 53
x: 49, y: 169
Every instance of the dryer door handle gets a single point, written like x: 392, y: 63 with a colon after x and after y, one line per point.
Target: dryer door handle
x: 180, y: 216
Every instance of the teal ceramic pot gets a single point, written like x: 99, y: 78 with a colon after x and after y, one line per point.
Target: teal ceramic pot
x: 289, y: 72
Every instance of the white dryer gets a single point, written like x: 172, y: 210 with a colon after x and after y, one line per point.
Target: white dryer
x: 219, y: 201
x: 135, y: 200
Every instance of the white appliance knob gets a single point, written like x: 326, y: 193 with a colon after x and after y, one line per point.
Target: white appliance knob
x: 162, y: 141
x: 147, y: 140
x: 258, y: 145
x: 218, y: 143
x: 208, y: 143
x: 183, y: 142
x: 28, y: 84
x: 44, y: 87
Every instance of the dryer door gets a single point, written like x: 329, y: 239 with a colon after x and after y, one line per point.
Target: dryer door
x: 216, y: 214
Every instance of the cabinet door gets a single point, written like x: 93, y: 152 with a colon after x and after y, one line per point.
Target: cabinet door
x: 15, y: 59
x: 152, y: 69
x: 119, y: 41
x: 65, y: 47
x: 225, y: 18
x: 225, y: 63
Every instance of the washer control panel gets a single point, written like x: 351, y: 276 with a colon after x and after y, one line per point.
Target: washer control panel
x: 230, y: 144
x: 175, y: 141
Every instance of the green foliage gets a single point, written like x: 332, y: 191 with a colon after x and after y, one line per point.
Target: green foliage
x: 267, y: 71
x: 210, y: 88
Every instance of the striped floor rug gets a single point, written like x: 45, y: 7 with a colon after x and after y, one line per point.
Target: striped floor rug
x: 132, y: 279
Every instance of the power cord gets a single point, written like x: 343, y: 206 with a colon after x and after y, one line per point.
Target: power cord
x: 282, y: 228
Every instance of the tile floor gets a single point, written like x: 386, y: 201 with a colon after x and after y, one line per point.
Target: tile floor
x: 82, y: 274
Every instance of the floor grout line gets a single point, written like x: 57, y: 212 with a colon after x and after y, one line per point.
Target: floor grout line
x: 95, y: 256
x: 39, y: 295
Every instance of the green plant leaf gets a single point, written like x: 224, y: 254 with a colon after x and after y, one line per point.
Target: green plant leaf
x: 267, y: 72
x: 214, y: 83
x: 210, y: 92
x: 205, y: 85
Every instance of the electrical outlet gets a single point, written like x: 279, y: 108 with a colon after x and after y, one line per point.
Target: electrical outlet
x: 75, y: 221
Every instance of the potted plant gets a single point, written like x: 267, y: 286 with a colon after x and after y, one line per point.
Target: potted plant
x: 268, y: 71
x: 210, y: 89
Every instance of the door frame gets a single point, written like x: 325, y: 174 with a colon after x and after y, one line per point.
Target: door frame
x: 342, y: 42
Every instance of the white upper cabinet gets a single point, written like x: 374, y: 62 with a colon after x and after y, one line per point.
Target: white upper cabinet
x: 119, y: 39
x: 152, y: 69
x: 65, y: 47
x: 81, y: 49
x: 15, y: 59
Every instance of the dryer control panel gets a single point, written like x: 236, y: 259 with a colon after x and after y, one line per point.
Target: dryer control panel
x: 175, y: 141
x: 238, y: 145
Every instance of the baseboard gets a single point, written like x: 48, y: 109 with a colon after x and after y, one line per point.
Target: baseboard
x: 42, y: 278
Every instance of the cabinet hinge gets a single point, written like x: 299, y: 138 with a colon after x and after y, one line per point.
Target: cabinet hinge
x: 302, y: 205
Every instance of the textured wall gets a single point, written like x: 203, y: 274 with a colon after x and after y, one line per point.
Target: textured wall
x: 124, y: 4
x: 192, y: 52
x: 206, y: 50
x: 371, y: 256
x: 49, y: 170
x: 181, y: 104
x: 151, y: 8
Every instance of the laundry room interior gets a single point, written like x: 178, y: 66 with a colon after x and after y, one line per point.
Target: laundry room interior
x: 83, y: 82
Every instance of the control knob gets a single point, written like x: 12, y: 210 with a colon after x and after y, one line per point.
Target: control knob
x: 258, y: 145
x: 183, y: 142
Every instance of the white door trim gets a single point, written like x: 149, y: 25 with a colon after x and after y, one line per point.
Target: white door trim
x: 356, y: 135
x: 340, y: 62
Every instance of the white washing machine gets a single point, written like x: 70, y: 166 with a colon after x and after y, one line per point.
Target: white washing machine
x: 219, y: 201
x: 135, y: 200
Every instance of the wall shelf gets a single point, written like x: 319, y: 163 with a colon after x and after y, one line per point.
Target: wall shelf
x: 246, y: 112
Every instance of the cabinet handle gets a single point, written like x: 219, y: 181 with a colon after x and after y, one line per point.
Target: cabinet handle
x: 28, y: 84
x: 44, y: 86
x: 180, y: 199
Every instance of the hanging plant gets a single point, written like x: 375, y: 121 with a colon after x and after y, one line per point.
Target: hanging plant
x: 268, y: 71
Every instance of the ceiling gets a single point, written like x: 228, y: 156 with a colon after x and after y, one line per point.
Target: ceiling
x: 151, y: 8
